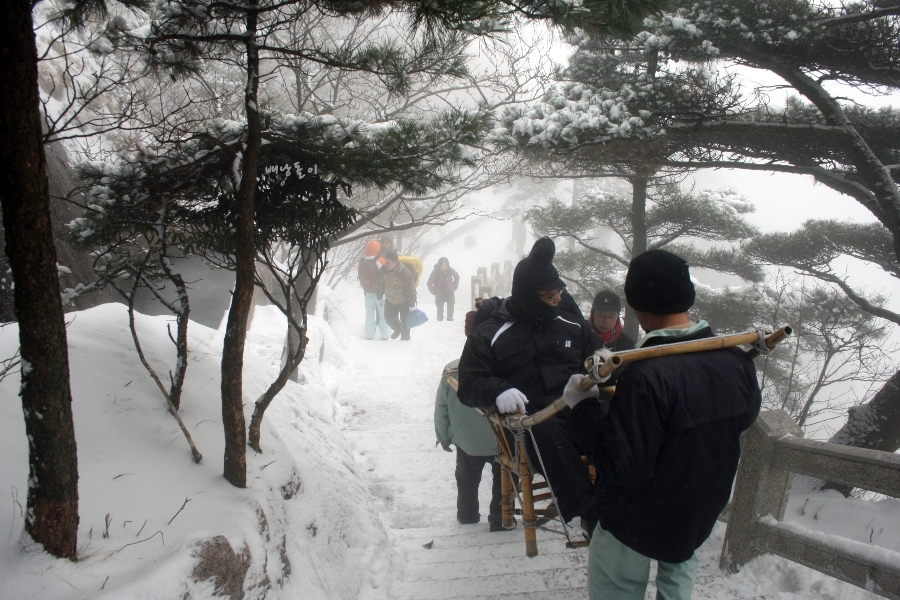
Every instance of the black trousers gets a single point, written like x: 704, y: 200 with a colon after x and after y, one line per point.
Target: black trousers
x: 567, y: 474
x: 468, y: 477
x: 395, y: 315
x: 440, y: 300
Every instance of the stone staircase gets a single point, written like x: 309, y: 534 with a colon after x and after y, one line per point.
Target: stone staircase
x: 470, y: 562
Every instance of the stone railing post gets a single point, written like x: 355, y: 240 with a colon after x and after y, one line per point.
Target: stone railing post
x: 759, y: 489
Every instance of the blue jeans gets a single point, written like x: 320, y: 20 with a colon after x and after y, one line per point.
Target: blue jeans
x: 375, y: 305
x: 616, y: 572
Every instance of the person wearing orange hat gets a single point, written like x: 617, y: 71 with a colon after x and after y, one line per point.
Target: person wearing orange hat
x: 371, y: 280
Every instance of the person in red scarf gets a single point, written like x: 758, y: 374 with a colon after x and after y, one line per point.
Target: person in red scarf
x: 607, y: 324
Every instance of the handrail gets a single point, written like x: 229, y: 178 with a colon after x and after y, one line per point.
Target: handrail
x: 772, y: 450
x: 865, y: 468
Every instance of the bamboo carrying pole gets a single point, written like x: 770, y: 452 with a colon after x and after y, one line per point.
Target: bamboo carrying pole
x: 627, y: 356
x: 713, y: 343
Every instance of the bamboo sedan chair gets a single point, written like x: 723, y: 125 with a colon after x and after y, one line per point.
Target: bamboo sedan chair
x: 514, y: 458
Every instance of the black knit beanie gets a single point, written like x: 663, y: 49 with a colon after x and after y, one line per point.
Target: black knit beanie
x: 607, y: 300
x: 536, y: 272
x: 659, y: 282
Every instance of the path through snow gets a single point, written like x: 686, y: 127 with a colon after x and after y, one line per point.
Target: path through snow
x: 388, y: 398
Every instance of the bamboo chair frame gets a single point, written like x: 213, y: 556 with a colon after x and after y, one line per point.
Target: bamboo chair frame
x: 513, y: 456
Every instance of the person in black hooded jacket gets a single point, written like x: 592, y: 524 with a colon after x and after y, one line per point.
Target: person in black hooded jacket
x: 521, y: 357
x: 667, y: 451
x: 443, y: 282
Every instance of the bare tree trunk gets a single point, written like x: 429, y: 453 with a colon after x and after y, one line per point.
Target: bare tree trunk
x: 638, y: 240
x: 52, y: 509
x: 293, y: 340
x: 235, y: 469
x: 181, y: 346
x: 874, y: 425
x: 292, y: 362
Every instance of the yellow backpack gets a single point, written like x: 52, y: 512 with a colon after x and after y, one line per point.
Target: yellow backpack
x: 415, y: 264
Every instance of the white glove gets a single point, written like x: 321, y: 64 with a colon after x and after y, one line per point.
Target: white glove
x: 511, y: 400
x: 600, y: 357
x: 573, y: 394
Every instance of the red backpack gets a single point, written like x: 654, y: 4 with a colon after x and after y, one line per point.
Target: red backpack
x: 367, y: 273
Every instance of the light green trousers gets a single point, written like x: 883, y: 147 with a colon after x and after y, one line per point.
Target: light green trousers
x: 616, y: 572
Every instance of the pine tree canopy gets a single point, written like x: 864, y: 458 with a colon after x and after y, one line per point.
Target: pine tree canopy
x: 196, y: 174
x: 664, y: 77
x: 704, y: 227
x: 713, y: 216
x: 813, y: 248
x: 818, y: 243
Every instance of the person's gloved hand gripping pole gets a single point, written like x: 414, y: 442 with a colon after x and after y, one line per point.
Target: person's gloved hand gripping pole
x: 511, y: 400
x: 575, y: 393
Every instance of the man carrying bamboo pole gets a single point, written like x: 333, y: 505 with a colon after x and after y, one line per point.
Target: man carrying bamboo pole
x: 523, y: 355
x: 667, y: 451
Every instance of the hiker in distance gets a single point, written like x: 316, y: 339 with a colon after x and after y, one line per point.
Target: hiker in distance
x: 667, y: 450
x: 520, y: 360
x: 399, y: 294
x: 607, y: 325
x: 442, y: 283
x: 372, y: 282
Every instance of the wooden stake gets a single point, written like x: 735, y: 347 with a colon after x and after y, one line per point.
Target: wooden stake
x: 528, y: 516
x: 507, y: 502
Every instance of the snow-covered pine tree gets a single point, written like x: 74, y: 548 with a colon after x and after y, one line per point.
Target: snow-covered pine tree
x: 810, y: 45
x: 813, y: 251
x: 604, y: 120
x: 297, y: 212
x: 250, y: 34
x: 194, y: 179
x: 703, y: 227
x: 26, y: 223
x: 133, y: 237
x: 672, y: 83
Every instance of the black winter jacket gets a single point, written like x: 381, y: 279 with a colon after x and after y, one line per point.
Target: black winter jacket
x: 623, y: 342
x: 514, y: 350
x: 667, y: 451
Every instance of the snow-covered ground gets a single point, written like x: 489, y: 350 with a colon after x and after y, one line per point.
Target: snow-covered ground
x: 348, y: 490
x: 307, y: 518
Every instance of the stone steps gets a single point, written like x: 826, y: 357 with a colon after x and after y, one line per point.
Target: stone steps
x: 493, y: 565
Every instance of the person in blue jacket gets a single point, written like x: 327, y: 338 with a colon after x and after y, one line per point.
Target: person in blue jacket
x: 667, y: 451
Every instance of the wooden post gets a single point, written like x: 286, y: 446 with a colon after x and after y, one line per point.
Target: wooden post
x: 528, y: 516
x: 759, y: 490
x: 507, y: 504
